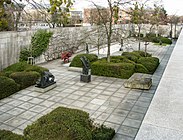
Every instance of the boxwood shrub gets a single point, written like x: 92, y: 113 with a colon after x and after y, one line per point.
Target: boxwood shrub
x: 151, y: 63
x: 76, y: 62
x: 17, y: 67
x: 139, y: 68
x: 8, y: 135
x: 118, y: 70
x: 7, y: 87
x: 25, y: 79
x: 36, y: 68
x: 120, y: 59
x: 67, y: 124
x: 22, y: 66
x: 141, y: 53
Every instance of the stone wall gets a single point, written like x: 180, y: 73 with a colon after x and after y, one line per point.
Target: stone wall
x: 12, y: 42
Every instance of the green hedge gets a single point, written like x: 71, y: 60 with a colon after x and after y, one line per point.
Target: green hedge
x: 22, y: 66
x: 118, y: 70
x: 162, y: 39
x: 17, y: 67
x: 67, y: 124
x: 151, y: 63
x: 141, y: 53
x: 76, y: 62
x: 120, y: 59
x: 7, y: 87
x: 139, y: 68
x: 38, y: 69
x: 8, y: 135
x: 25, y: 79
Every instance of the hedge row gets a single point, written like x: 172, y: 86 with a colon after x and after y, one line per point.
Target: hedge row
x: 76, y: 62
x: 150, y: 63
x: 18, y: 76
x: 8, y: 135
x: 152, y: 38
x: 120, y: 66
x: 67, y: 124
x: 8, y: 87
x: 118, y: 70
x: 25, y: 79
x: 23, y: 66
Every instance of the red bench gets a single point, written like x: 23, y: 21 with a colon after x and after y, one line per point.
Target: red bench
x: 65, y: 56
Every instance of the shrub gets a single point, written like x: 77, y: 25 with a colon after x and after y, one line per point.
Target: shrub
x: 120, y: 59
x: 8, y: 87
x: 23, y: 66
x: 139, y: 68
x: 25, y: 79
x: 17, y: 67
x: 65, y: 124
x: 8, y: 135
x: 141, y: 53
x: 40, y: 42
x: 103, y: 133
x: 165, y: 40
x: 76, y: 62
x: 131, y: 54
x: 24, y: 54
x: 151, y: 63
x: 118, y: 70
x: 150, y: 35
x: 36, y: 68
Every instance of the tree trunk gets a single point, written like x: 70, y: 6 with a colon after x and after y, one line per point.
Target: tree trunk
x: 171, y: 28
x: 139, y: 28
x: 108, y: 48
x: 175, y: 32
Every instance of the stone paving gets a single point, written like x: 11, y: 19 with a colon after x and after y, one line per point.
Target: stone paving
x: 104, y: 98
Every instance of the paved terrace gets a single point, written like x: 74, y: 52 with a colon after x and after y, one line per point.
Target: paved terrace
x: 164, y: 119
x: 104, y: 98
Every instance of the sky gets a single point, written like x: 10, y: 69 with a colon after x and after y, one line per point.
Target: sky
x: 172, y: 6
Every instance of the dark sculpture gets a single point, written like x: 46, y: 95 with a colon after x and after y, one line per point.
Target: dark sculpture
x: 86, y: 72
x: 86, y: 65
x: 46, y: 80
x: 87, y: 48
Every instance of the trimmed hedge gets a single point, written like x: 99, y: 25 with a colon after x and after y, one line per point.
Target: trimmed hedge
x: 23, y: 66
x: 76, y: 62
x: 139, y: 68
x: 118, y: 70
x: 151, y: 63
x: 141, y: 53
x: 38, y: 69
x: 25, y: 79
x: 17, y: 67
x: 67, y: 124
x: 8, y: 135
x: 8, y: 87
x: 120, y: 59
x: 151, y: 37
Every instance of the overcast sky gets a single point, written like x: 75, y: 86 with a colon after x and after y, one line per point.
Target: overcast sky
x: 172, y: 6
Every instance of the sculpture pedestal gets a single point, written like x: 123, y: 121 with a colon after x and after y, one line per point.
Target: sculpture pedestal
x: 43, y: 90
x: 139, y: 81
x: 85, y: 78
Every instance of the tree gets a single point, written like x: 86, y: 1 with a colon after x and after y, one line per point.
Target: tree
x: 108, y: 25
x: 59, y: 10
x: 137, y: 17
x: 4, y: 16
x: 158, y: 16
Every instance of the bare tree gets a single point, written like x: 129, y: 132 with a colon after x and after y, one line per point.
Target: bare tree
x: 108, y: 25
